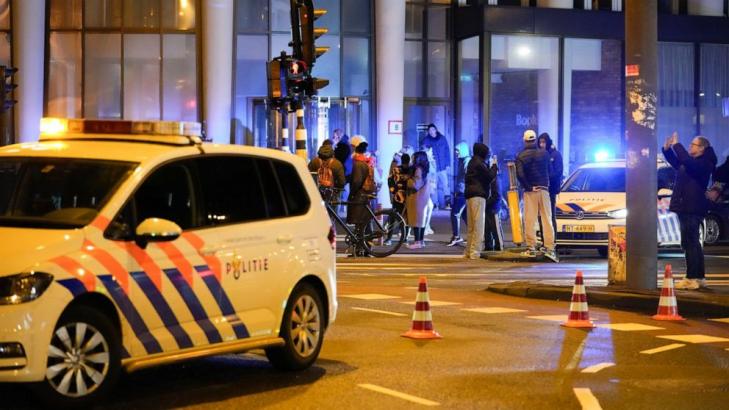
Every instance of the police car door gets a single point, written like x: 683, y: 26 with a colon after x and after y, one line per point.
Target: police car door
x: 245, y: 239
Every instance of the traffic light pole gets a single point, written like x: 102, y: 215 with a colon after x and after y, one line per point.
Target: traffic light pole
x: 300, y: 132
x: 641, y: 42
x: 284, y: 130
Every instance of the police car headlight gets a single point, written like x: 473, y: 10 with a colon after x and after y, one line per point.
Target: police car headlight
x: 23, y: 287
x: 619, y: 214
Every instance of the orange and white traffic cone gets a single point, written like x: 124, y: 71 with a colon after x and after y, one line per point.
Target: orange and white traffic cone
x: 667, y: 306
x: 422, y: 319
x: 579, y: 315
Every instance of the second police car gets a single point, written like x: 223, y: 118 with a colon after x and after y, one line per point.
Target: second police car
x: 593, y: 197
x: 132, y: 244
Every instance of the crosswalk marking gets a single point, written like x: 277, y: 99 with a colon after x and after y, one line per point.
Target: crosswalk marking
x: 400, y: 395
x: 695, y: 338
x: 370, y: 296
x: 551, y: 318
x: 435, y: 303
x: 629, y: 327
x: 663, y: 348
x: 723, y: 320
x: 384, y: 312
x: 596, y: 368
x: 587, y: 400
x: 491, y: 310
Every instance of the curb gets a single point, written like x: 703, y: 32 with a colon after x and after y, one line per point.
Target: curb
x: 690, y: 303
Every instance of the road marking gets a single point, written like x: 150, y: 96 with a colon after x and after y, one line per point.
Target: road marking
x: 587, y: 400
x: 695, y: 338
x: 435, y: 303
x: 384, y: 312
x: 551, y: 318
x: 370, y: 296
x: 663, y: 348
x: 596, y: 368
x: 723, y: 320
x: 399, y: 395
x: 494, y: 310
x: 629, y: 327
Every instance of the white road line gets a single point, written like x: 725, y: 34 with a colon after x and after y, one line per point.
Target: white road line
x: 435, y: 303
x: 629, y: 327
x: 399, y: 395
x: 587, y: 400
x: 663, y: 348
x: 370, y: 296
x: 695, y: 338
x: 384, y: 312
x: 723, y: 320
x: 492, y: 310
x: 596, y: 368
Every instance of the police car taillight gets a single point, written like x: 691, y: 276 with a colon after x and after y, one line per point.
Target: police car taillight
x: 62, y: 128
x: 332, y: 237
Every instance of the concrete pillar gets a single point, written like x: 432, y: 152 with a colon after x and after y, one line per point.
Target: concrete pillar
x: 641, y: 52
x: 28, y: 56
x: 390, y: 35
x: 217, y: 68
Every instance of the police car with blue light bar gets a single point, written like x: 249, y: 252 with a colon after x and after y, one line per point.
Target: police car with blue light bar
x: 133, y: 244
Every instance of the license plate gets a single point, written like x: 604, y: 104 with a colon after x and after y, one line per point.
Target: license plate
x: 578, y: 228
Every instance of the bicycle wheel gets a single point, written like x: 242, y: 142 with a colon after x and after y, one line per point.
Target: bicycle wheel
x: 387, y: 237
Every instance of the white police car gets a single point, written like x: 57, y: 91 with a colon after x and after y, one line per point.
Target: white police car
x: 593, y: 197
x: 132, y: 244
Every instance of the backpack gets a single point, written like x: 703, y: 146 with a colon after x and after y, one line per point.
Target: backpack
x: 325, y: 175
x: 369, y: 182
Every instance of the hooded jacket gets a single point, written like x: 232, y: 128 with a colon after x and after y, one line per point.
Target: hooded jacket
x: 532, y: 167
x: 478, y: 174
x: 556, y: 167
x: 692, y: 178
x: 325, y: 153
x: 441, y: 152
x: 343, y: 153
x: 460, y: 171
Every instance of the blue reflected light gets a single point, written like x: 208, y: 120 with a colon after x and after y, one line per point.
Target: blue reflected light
x: 602, y: 155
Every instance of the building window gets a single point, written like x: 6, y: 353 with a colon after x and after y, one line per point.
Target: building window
x: 427, y: 51
x: 263, y: 31
x: 676, y: 93
x: 129, y: 59
x: 714, y: 98
x: 469, y: 92
x: 524, y: 90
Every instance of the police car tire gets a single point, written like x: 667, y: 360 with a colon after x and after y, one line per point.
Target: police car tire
x: 99, y: 322
x: 287, y: 357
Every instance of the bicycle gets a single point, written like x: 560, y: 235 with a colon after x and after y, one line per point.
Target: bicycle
x: 383, y: 234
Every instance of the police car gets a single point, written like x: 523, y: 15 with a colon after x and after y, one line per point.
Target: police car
x: 133, y: 244
x: 593, y: 197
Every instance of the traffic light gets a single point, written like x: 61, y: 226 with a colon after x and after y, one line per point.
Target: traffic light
x: 273, y: 68
x: 7, y: 88
x: 303, y: 16
x: 297, y: 76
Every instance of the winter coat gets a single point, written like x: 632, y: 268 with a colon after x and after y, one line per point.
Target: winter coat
x: 441, y: 152
x: 478, y: 174
x: 460, y: 186
x: 532, y: 168
x: 556, y: 170
x: 357, y: 214
x: 692, y: 178
x: 325, y: 153
x: 343, y: 153
x: 419, y: 191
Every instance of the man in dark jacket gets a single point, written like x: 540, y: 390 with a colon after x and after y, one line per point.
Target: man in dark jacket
x: 532, y: 170
x: 688, y: 201
x: 556, y: 169
x: 357, y: 211
x: 441, y: 153
x: 493, y: 235
x: 458, y: 207
x: 478, y: 180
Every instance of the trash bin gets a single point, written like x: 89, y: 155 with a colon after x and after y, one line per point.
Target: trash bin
x: 616, y: 254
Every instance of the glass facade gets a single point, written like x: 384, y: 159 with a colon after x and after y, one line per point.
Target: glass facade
x: 263, y: 31
x: 469, y: 92
x: 129, y: 59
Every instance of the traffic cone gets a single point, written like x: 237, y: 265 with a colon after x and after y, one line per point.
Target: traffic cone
x: 579, y: 316
x: 667, y: 306
x: 422, y: 319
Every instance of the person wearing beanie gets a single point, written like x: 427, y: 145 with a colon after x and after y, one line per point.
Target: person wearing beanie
x: 556, y: 170
x: 477, y: 188
x: 357, y: 214
x: 532, y: 170
x: 458, y: 207
x: 325, y: 156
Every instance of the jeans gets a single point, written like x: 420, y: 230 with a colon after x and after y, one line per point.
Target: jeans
x: 476, y: 213
x: 536, y: 203
x: 442, y: 188
x: 691, y: 245
x: 493, y: 235
x: 458, y: 212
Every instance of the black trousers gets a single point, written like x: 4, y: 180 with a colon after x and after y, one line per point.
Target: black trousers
x: 691, y: 245
x: 493, y: 236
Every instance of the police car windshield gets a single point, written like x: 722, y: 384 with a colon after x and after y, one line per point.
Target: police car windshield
x: 596, y: 180
x: 56, y: 193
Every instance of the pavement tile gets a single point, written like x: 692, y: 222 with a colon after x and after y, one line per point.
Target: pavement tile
x: 370, y: 296
x: 695, y: 338
x: 494, y: 310
x: 629, y: 327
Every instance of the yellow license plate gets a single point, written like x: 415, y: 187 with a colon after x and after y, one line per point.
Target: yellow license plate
x: 578, y: 228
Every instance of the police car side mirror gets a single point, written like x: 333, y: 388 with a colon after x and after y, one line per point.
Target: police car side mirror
x: 664, y: 192
x: 156, y: 230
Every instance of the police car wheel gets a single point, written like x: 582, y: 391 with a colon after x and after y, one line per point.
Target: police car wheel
x: 84, y: 359
x: 302, y: 329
